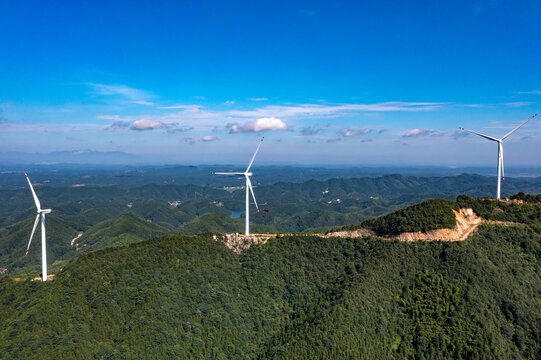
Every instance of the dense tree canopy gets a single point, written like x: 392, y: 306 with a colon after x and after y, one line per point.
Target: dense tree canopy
x: 293, y: 297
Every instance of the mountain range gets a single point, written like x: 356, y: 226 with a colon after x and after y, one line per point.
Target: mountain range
x: 295, y: 296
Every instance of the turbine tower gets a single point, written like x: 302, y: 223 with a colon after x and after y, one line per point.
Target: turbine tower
x: 41, y: 213
x: 501, y: 173
x: 249, y: 188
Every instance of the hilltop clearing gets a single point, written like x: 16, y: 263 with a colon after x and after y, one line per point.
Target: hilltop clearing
x: 295, y: 297
x: 430, y: 220
x: 466, y: 222
x: 442, y: 220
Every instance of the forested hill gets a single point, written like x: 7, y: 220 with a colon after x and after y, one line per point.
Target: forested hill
x: 301, y: 297
x: 106, y: 216
x: 71, y: 202
x: 436, y: 214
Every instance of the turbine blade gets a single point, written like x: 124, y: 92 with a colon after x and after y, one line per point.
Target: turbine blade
x: 515, y: 129
x: 33, y: 193
x: 228, y: 173
x: 32, y: 234
x: 252, y: 191
x: 482, y: 135
x: 253, y: 157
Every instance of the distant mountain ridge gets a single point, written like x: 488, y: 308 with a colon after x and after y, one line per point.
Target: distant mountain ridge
x: 101, y: 213
x: 71, y: 157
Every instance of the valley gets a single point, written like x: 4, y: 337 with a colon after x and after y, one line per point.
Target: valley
x: 384, y: 272
x: 108, y: 216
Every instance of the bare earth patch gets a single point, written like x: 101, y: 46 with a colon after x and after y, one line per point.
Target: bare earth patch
x: 239, y: 242
x: 466, y: 223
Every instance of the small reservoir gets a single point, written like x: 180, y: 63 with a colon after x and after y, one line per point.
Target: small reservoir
x: 235, y: 214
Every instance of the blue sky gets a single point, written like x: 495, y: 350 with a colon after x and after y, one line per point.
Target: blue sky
x: 334, y: 82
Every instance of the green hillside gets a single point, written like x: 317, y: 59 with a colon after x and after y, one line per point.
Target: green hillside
x: 124, y: 229
x: 367, y: 197
x: 428, y: 215
x: 14, y: 239
x: 217, y: 223
x: 301, y: 297
x: 160, y: 212
x: 438, y: 214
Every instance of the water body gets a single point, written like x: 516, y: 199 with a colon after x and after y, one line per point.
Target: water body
x: 236, y: 214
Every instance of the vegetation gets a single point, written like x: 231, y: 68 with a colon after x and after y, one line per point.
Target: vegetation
x: 526, y: 198
x: 217, y: 223
x: 312, y: 206
x: 293, y: 297
x: 438, y: 214
x: 306, y: 297
x: 428, y: 215
x: 524, y: 213
x: 123, y: 229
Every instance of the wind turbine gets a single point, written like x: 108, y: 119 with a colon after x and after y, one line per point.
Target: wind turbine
x: 41, y: 213
x: 501, y: 172
x: 249, y: 188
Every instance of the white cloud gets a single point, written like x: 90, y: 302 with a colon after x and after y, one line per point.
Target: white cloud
x: 229, y: 102
x: 419, y: 132
x: 185, y: 107
x: 351, y: 132
x: 142, y: 102
x: 258, y: 99
x: 109, y: 117
x: 532, y: 92
x: 120, y: 91
x: 270, y: 117
x: 209, y: 138
x: 261, y: 124
x: 146, y: 124
x: 317, y: 110
x: 518, y: 103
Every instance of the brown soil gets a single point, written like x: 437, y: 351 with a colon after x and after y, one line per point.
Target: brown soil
x: 466, y: 223
x: 37, y: 278
x: 351, y: 233
x: 239, y: 242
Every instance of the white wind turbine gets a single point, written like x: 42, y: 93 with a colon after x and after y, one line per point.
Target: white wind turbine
x: 249, y: 188
x: 500, y: 151
x: 41, y: 213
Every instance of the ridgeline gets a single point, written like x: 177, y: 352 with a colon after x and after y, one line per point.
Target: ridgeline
x: 294, y: 296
